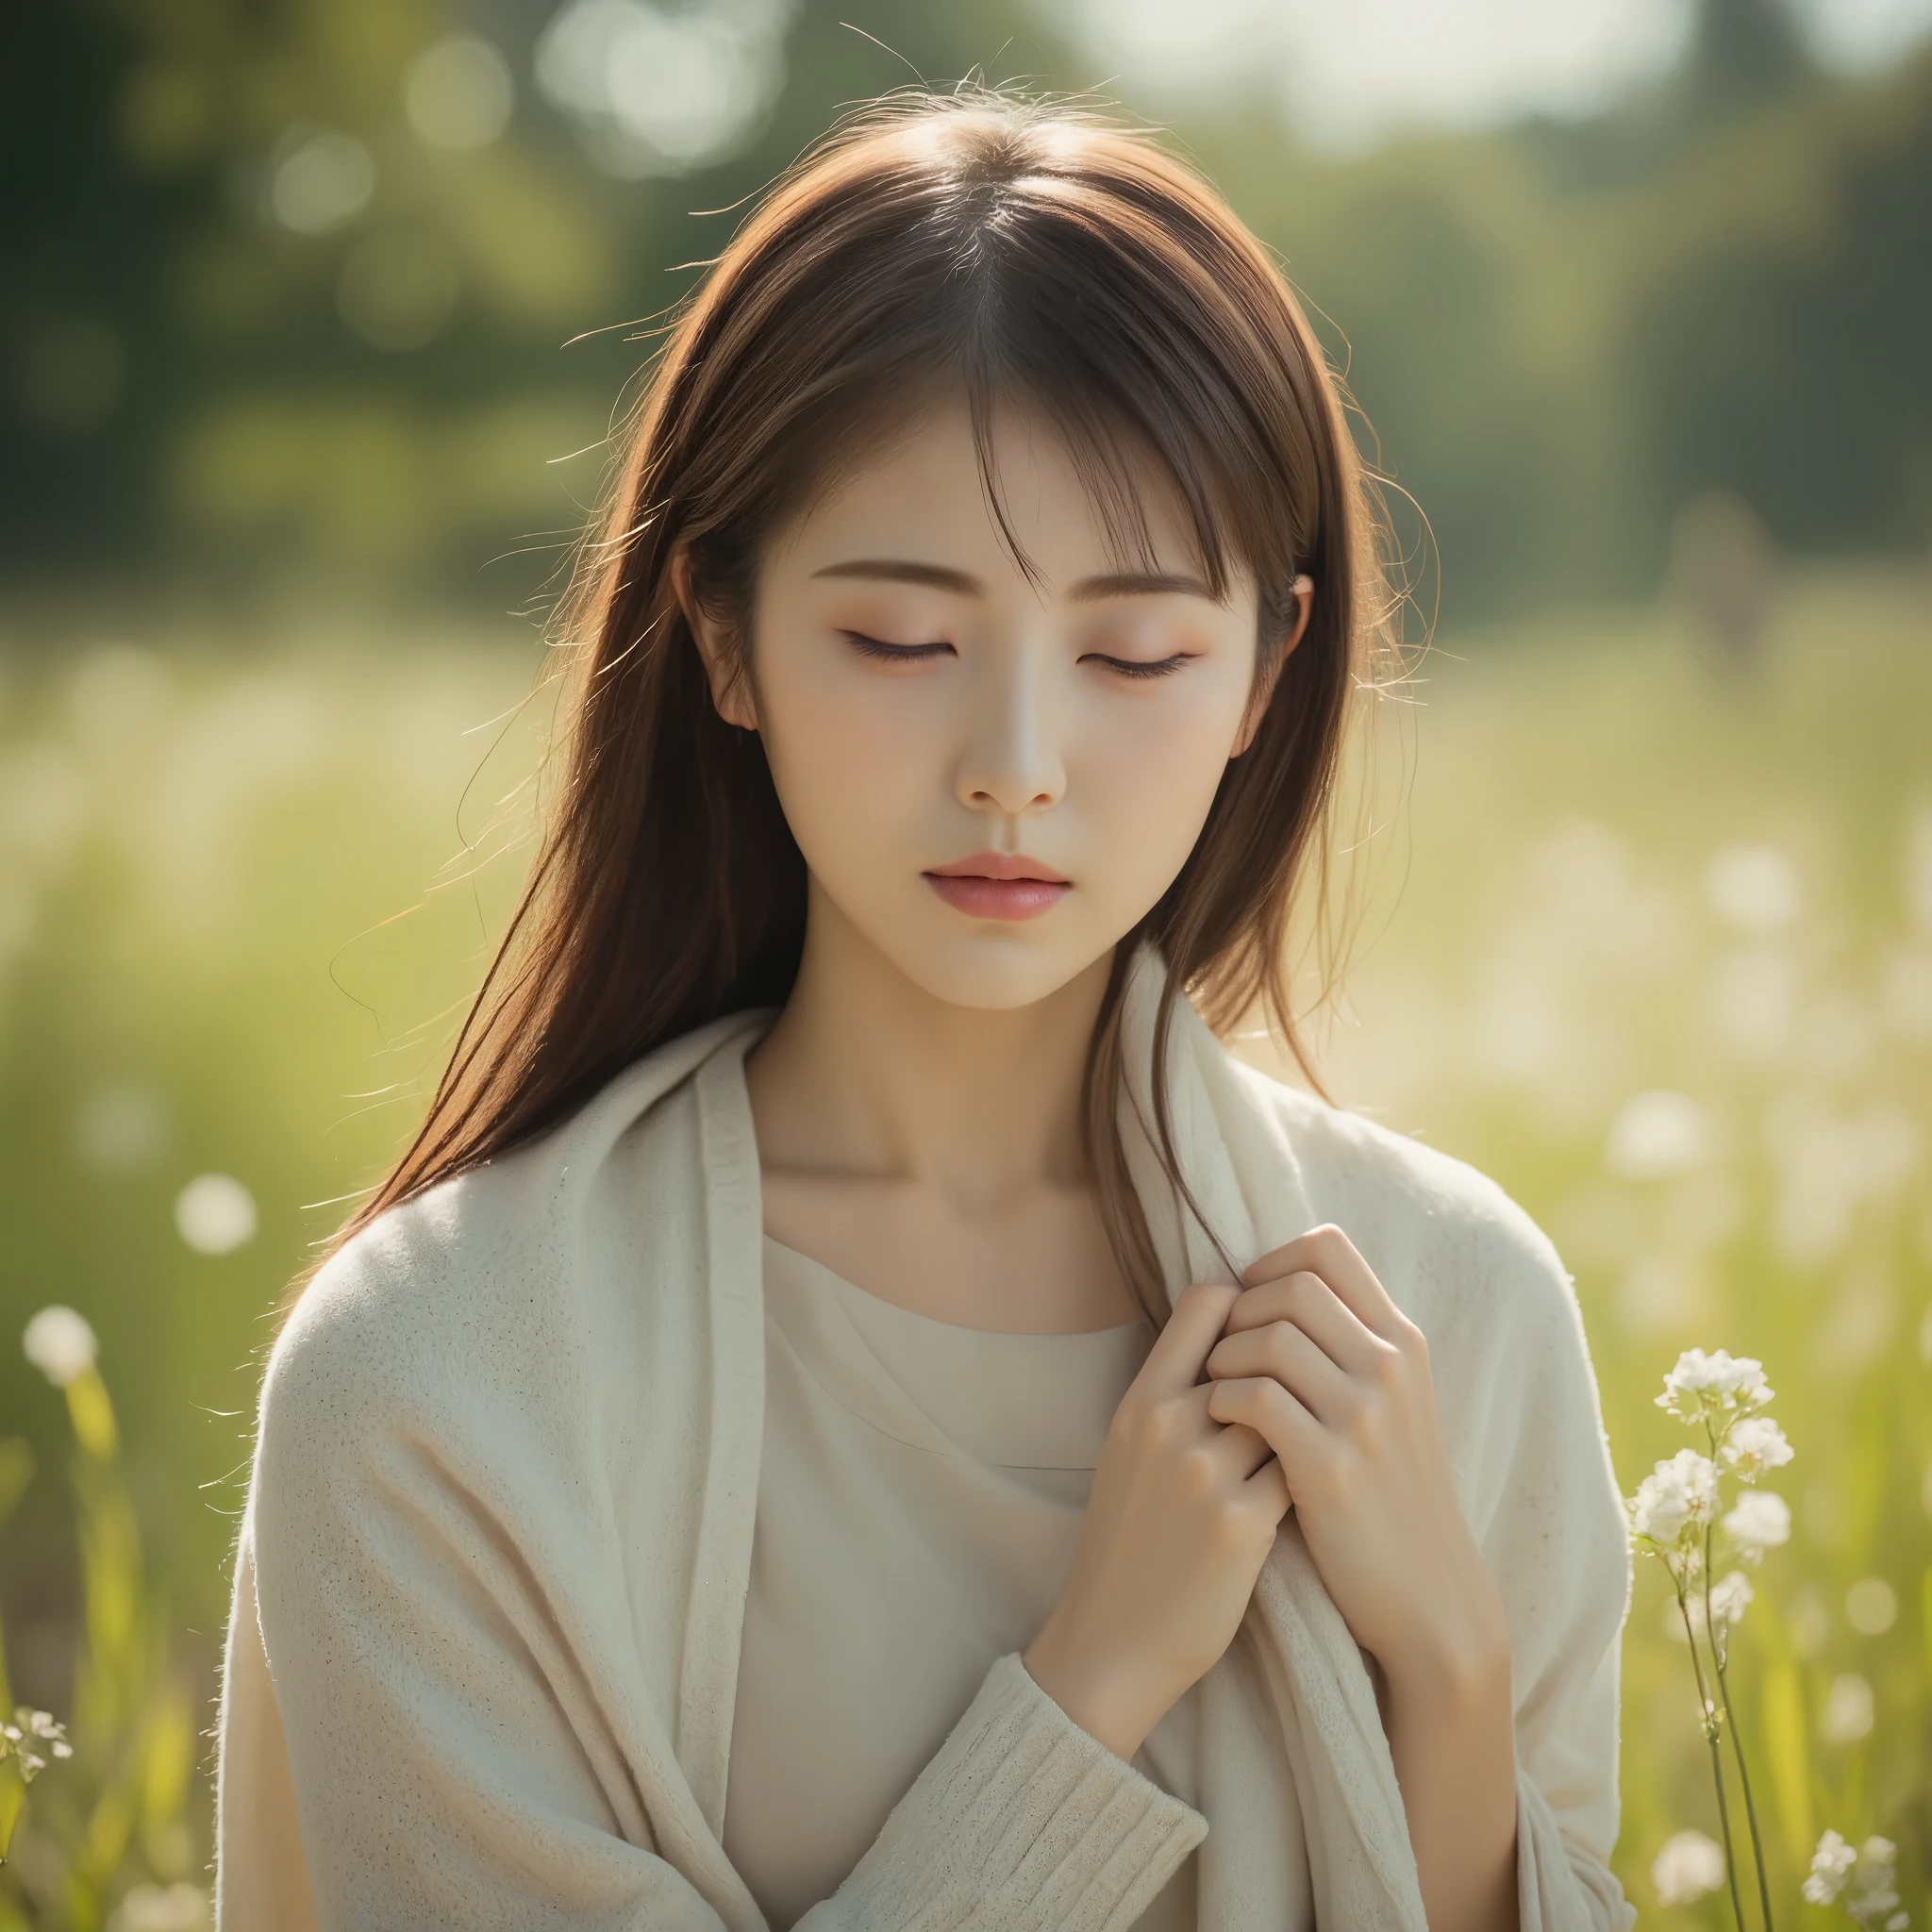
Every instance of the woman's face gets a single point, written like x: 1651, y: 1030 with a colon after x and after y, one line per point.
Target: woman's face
x: 991, y: 779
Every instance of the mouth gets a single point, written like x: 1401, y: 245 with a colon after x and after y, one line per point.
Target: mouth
x: 996, y: 885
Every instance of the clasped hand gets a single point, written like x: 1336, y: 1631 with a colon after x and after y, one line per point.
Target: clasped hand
x: 1305, y: 1389
x: 1318, y: 1360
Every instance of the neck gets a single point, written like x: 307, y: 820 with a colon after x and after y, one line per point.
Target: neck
x: 868, y: 1075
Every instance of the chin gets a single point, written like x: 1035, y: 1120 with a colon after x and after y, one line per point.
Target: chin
x: 998, y: 973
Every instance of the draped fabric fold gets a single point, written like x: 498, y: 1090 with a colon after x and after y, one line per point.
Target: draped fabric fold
x: 482, y: 1661
x: 1334, y: 1762
x: 1334, y: 1750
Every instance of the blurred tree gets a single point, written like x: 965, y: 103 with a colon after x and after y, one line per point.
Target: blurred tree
x: 256, y: 306
x: 1562, y: 335
x: 1742, y: 53
x: 1782, y: 357
x: 288, y: 284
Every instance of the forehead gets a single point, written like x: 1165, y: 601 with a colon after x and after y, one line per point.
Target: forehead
x: 1026, y: 500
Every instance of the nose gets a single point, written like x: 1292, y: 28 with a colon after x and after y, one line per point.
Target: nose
x: 1011, y: 761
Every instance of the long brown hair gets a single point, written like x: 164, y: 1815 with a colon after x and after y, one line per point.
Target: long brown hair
x: 1024, y: 252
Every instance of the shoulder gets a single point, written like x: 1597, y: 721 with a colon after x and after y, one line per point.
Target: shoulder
x: 488, y: 1297
x: 1453, y: 1247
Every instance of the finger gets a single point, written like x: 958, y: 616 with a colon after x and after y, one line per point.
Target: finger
x: 1269, y: 1488
x: 1174, y: 1362
x: 1237, y: 1449
x: 1241, y: 1449
x: 1315, y: 1307
x: 1287, y: 1425
x: 1297, y: 1362
x: 1329, y: 1253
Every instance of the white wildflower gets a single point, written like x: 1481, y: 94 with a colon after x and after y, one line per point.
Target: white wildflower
x: 1688, y: 1866
x: 1678, y: 1497
x: 1754, y: 1444
x: 1864, y: 1881
x: 1730, y: 1597
x: 1716, y: 1382
x: 1831, y: 1865
x: 41, y: 1724
x: 1873, y: 1898
x: 59, y: 1343
x: 1692, y: 1609
x: 1762, y: 1521
x: 31, y: 1728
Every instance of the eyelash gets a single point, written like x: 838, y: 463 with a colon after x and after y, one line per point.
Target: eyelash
x: 1164, y: 667
x: 915, y: 653
x: 892, y: 654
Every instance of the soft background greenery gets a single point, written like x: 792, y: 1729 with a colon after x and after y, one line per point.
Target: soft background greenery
x: 1658, y: 382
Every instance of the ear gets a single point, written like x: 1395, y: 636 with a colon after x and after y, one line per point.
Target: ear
x: 1259, y: 698
x: 724, y: 668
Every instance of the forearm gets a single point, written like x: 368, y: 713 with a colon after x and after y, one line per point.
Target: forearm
x: 1452, y: 1734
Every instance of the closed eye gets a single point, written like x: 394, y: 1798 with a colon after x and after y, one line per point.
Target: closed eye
x: 893, y: 653
x: 1132, y: 667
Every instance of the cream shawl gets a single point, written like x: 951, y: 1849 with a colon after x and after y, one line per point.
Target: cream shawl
x: 493, y: 1569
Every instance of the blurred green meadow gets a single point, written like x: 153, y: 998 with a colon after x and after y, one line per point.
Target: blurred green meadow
x: 1647, y: 934
x: 1652, y: 945
x: 312, y: 317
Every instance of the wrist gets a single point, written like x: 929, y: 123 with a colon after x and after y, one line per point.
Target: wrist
x: 1452, y: 1668
x: 1101, y: 1699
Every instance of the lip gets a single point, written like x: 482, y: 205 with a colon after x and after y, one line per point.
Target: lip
x: 998, y: 885
x: 999, y: 865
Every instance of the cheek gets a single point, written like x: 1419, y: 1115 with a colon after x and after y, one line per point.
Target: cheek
x: 851, y: 757
x: 1148, y: 766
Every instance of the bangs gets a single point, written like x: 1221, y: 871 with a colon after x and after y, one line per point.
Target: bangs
x: 1150, y: 339
x: 1113, y: 455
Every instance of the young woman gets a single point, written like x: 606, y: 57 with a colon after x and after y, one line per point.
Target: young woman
x: 855, y: 1411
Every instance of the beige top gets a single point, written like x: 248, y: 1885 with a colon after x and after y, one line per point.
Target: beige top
x: 920, y: 1491
x: 490, y: 1585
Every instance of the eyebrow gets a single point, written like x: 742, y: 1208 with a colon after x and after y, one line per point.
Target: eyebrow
x: 1141, y: 584
x: 893, y: 570
x: 938, y: 577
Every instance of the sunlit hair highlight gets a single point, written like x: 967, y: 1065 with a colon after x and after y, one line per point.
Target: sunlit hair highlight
x: 1028, y: 254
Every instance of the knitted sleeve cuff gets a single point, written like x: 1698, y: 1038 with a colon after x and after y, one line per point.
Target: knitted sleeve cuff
x: 1021, y: 1820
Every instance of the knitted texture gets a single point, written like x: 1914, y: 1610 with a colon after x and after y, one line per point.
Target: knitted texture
x: 482, y: 1663
x: 1021, y: 1820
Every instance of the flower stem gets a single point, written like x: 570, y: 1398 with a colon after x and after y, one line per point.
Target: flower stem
x: 1750, y: 1809
x: 1718, y: 1647
x: 1717, y: 1762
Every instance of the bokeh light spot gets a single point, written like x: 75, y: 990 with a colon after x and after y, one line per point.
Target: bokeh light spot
x: 1872, y: 1607
x: 1848, y: 1709
x: 122, y: 1128
x: 1754, y: 887
x: 658, y: 93
x: 321, y: 179
x: 215, y: 1214
x: 1655, y: 1135
x: 459, y: 94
